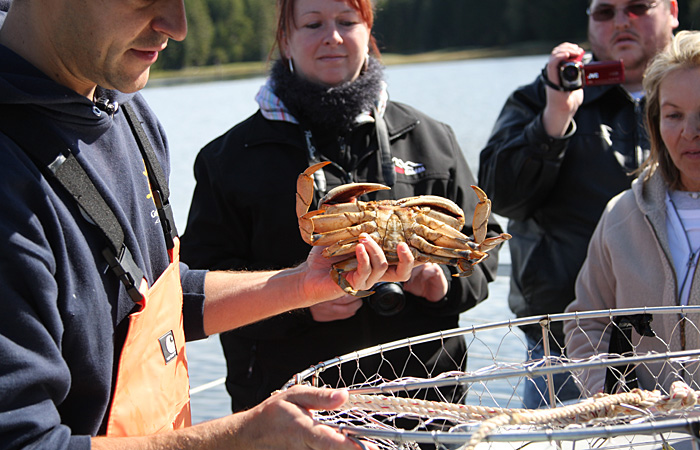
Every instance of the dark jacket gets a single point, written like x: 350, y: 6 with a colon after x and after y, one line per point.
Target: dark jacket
x: 63, y: 315
x: 243, y: 216
x: 554, y: 190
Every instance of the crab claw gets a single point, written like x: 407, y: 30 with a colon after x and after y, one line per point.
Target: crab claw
x: 481, y: 215
x: 305, y: 188
x: 348, y: 193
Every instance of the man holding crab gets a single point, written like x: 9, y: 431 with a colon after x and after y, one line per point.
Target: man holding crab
x: 95, y: 306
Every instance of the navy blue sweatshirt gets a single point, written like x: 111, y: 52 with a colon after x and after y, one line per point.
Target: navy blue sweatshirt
x: 63, y: 316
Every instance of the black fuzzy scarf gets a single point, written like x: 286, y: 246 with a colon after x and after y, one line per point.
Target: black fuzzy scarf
x: 331, y: 109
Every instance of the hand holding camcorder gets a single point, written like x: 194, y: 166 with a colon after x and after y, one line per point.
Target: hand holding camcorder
x: 574, y: 74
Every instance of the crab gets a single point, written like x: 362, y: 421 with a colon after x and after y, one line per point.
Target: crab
x: 429, y: 224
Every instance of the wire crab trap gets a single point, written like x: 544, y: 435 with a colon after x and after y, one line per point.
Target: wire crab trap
x: 645, y: 359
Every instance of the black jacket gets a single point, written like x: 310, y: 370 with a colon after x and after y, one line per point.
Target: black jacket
x: 243, y: 216
x: 554, y: 190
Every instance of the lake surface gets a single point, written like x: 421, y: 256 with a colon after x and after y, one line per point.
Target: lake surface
x: 467, y: 95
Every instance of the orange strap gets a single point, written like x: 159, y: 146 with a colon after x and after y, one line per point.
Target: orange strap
x: 152, y: 388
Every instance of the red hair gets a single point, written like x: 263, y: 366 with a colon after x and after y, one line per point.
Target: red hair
x: 285, y: 21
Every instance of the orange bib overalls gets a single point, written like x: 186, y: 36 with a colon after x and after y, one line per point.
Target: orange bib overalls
x: 152, y: 389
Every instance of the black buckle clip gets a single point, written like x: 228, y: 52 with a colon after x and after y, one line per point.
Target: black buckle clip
x: 167, y: 219
x: 126, y: 270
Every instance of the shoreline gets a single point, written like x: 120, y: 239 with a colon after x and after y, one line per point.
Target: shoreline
x: 252, y: 69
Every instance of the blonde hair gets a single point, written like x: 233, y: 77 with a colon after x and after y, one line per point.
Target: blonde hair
x: 682, y: 53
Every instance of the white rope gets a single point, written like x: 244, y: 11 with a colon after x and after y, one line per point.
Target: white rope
x: 599, y: 406
x: 209, y: 385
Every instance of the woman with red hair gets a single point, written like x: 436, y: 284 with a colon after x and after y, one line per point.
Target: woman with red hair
x: 326, y: 100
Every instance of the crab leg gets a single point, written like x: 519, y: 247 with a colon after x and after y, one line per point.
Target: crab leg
x: 441, y: 234
x: 433, y: 216
x: 347, y: 246
x: 344, y: 234
x: 306, y: 226
x: 439, y: 208
x: 340, y: 248
x: 440, y: 239
x: 426, y: 247
x: 465, y: 267
x: 305, y: 194
x: 327, y: 222
x: 347, y: 266
x: 492, y: 242
x: 480, y: 222
x: 481, y: 215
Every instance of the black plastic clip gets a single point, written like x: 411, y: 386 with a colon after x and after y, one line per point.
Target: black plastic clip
x: 167, y: 219
x: 126, y: 270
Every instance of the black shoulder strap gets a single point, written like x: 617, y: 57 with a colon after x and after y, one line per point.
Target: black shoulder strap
x: 53, y: 156
x: 388, y: 170
x: 159, y: 185
x: 621, y: 344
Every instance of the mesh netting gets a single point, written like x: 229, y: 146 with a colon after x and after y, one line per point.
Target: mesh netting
x: 636, y: 370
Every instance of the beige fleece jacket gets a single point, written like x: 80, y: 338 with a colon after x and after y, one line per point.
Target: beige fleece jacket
x: 629, y: 265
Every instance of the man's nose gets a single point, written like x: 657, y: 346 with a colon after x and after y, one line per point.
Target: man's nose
x: 171, y: 19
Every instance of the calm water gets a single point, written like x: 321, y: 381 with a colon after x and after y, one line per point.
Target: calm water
x: 467, y: 95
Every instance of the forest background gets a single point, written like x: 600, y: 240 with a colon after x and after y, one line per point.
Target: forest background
x: 222, y: 32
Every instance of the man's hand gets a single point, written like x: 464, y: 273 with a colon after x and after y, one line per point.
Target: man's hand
x: 235, y: 299
x: 372, y: 267
x: 427, y: 281
x: 561, y: 106
x: 284, y: 421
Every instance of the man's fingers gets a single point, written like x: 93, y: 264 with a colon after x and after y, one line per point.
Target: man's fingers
x: 371, y: 264
x: 314, y: 398
x: 406, y: 262
x: 315, y: 435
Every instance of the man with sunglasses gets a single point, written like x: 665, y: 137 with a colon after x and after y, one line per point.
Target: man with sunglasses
x: 555, y: 158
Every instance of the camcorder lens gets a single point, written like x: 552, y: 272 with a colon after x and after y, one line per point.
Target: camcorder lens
x: 570, y: 72
x: 388, y: 298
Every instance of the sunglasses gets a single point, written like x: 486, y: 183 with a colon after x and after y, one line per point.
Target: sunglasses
x: 633, y: 11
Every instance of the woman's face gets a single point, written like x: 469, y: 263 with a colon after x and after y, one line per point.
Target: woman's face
x: 679, y: 123
x: 330, y: 42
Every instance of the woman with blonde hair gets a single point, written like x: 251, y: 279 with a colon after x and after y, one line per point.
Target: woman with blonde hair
x: 645, y: 249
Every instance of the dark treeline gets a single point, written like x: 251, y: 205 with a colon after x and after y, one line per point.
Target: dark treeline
x: 225, y: 31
